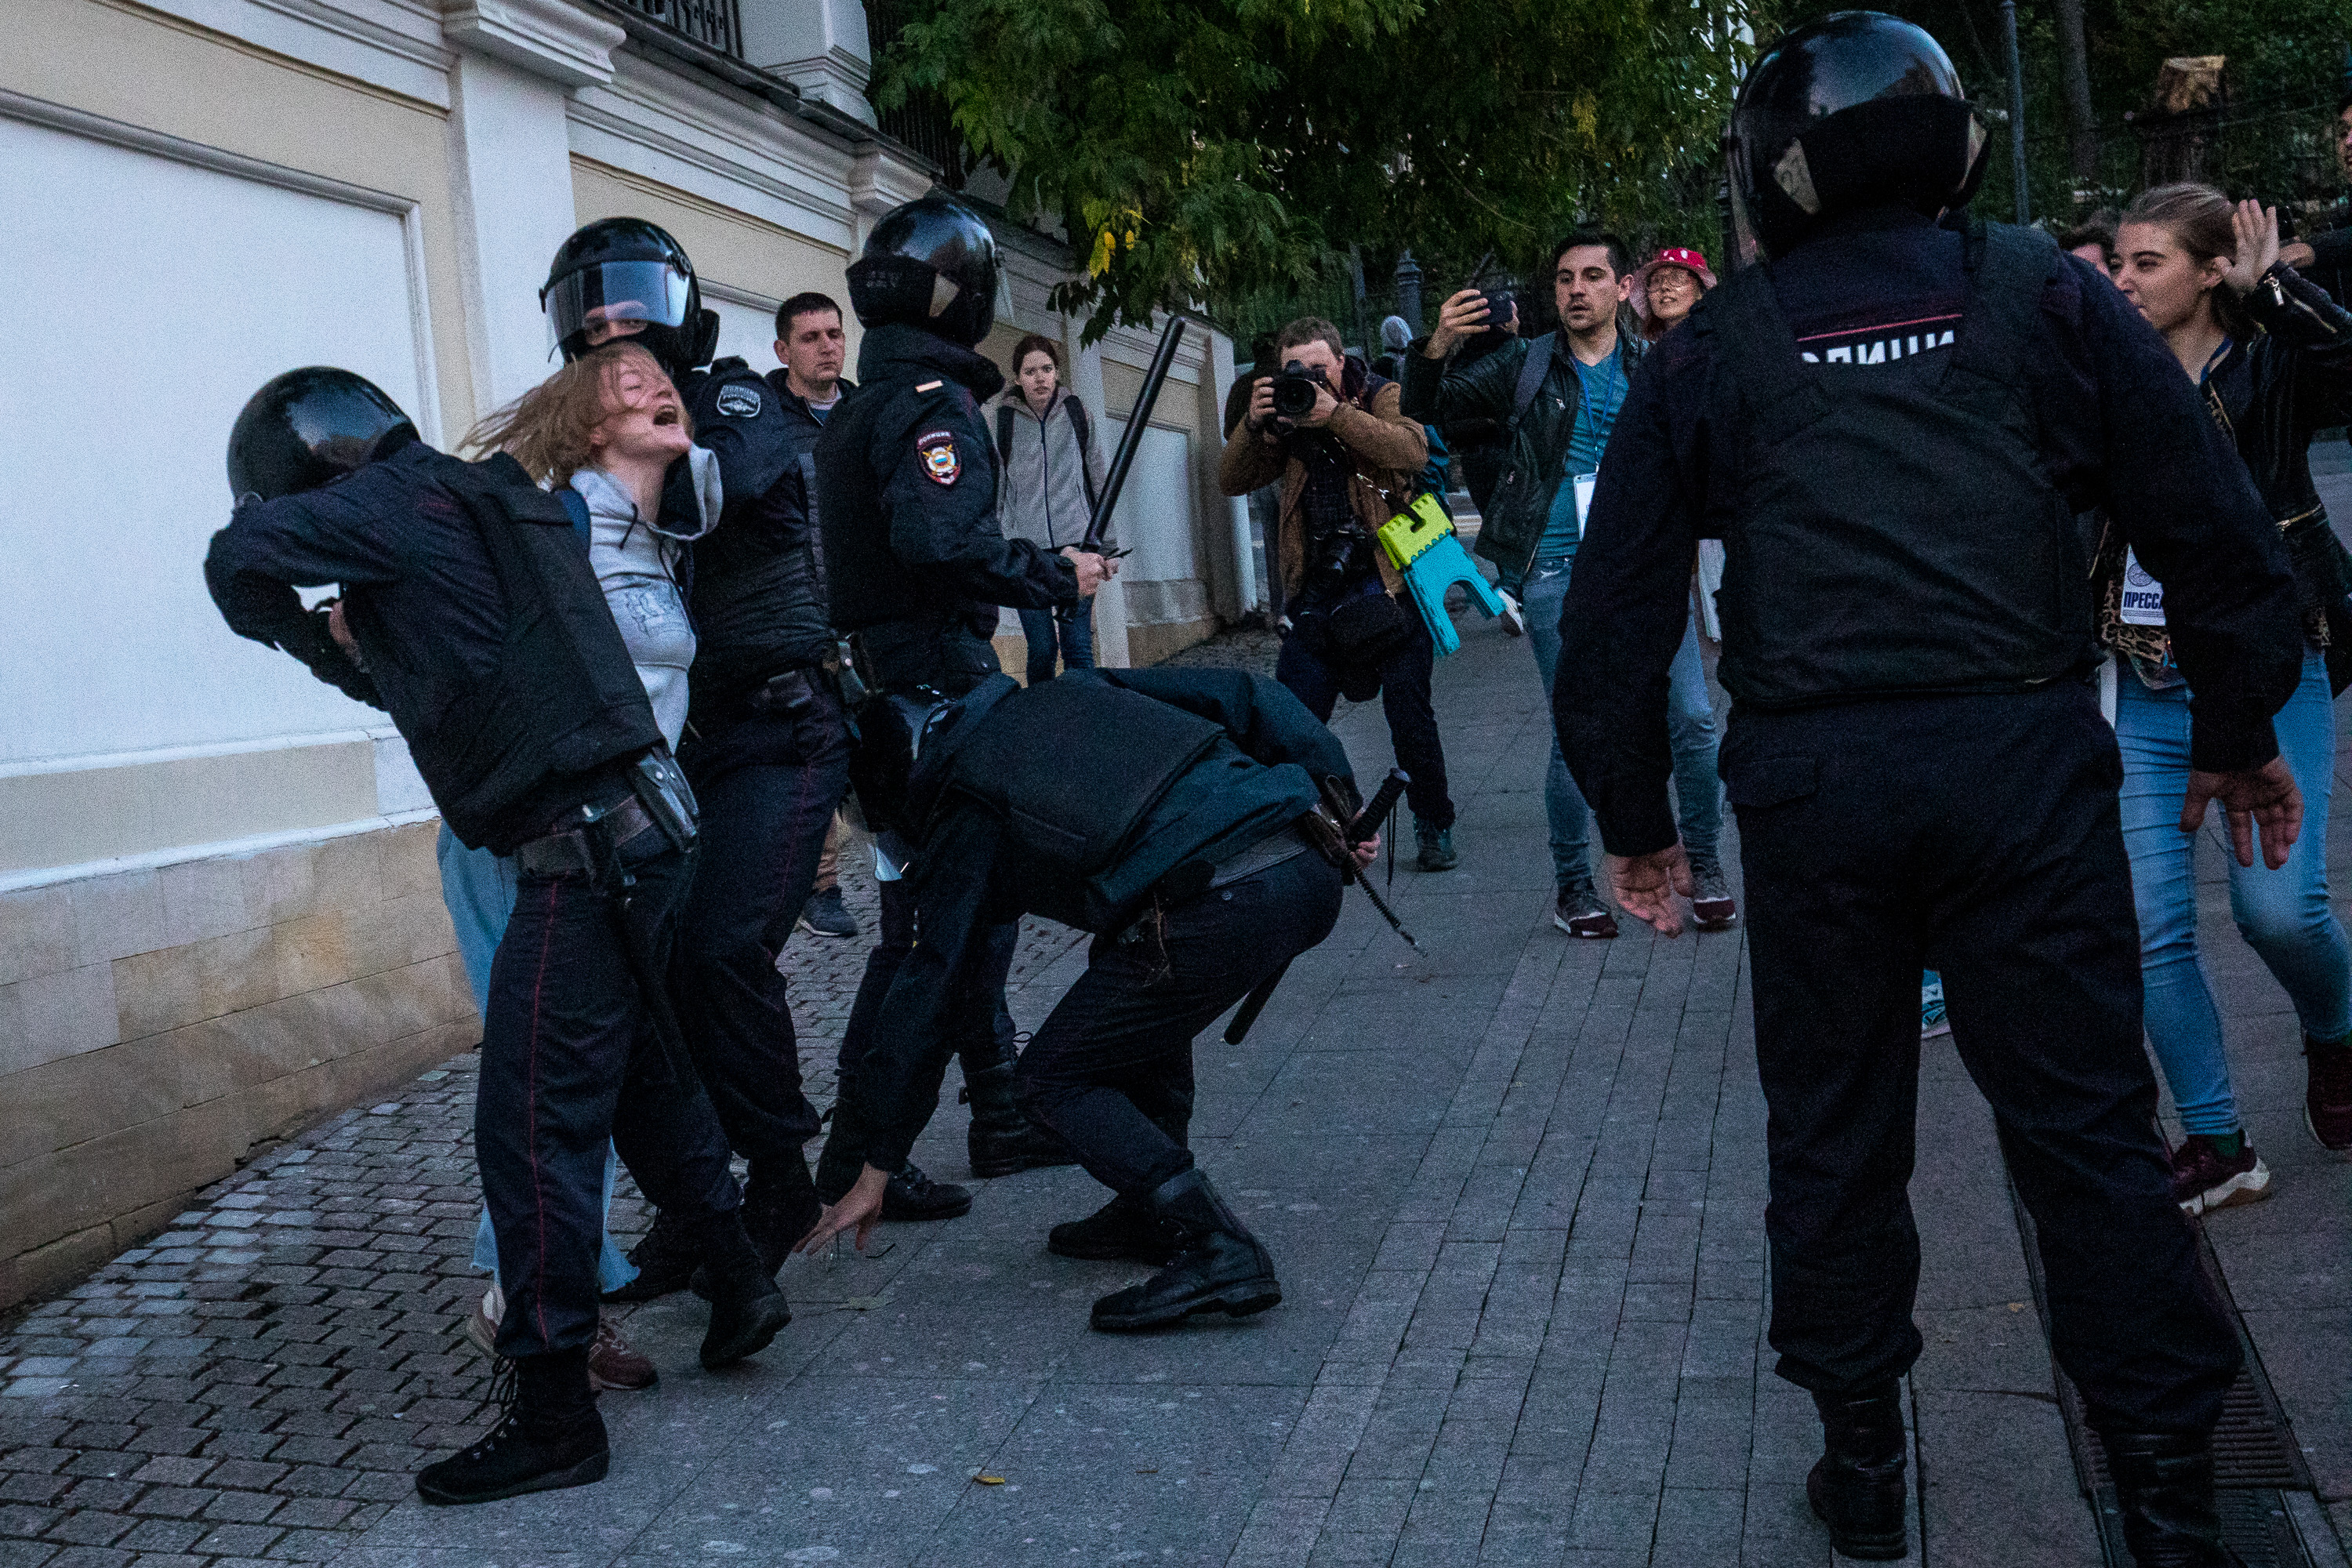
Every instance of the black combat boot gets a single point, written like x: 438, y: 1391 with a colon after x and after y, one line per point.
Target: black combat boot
x: 1002, y: 1140
x: 1219, y: 1267
x: 549, y: 1435
x: 747, y: 1308
x: 913, y: 1195
x: 1122, y: 1229
x: 1856, y: 1487
x: 665, y: 1257
x: 779, y: 1206
x: 2164, y: 1481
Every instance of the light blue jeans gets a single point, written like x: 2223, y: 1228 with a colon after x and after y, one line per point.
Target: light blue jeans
x: 479, y: 888
x: 1690, y: 729
x: 2284, y: 915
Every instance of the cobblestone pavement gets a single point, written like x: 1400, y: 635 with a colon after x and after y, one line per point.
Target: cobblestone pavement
x: 1514, y: 1187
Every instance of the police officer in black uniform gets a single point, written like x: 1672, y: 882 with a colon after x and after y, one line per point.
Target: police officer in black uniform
x: 766, y: 749
x: 1171, y: 812
x: 1891, y: 424
x: 481, y: 628
x: 915, y: 567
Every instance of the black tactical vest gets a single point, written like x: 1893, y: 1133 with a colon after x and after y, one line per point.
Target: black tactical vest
x: 1074, y: 767
x: 564, y: 701
x: 1894, y: 529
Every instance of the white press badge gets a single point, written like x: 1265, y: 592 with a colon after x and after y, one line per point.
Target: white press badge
x: 2143, y: 595
x: 1584, y: 485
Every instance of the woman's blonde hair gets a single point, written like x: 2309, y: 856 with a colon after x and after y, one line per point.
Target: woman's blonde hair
x: 2198, y: 218
x: 549, y: 429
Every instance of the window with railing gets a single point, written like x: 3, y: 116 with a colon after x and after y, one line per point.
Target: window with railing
x: 922, y: 122
x: 714, y: 23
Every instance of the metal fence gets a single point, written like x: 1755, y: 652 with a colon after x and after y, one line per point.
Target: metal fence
x: 923, y: 121
x: 714, y: 23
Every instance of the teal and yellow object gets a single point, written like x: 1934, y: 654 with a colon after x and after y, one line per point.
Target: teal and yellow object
x: 1421, y: 544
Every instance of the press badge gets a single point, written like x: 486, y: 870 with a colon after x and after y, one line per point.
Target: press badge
x: 1584, y: 484
x: 2143, y: 595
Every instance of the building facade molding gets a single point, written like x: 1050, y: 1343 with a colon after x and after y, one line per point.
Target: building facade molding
x: 546, y: 37
x: 395, y: 45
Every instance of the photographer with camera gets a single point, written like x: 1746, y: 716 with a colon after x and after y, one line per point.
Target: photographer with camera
x: 1330, y: 432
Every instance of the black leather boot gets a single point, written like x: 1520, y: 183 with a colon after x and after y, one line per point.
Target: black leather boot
x: 2163, y: 1481
x: 913, y: 1195
x: 1856, y: 1487
x: 1121, y: 1230
x: 779, y: 1206
x: 747, y: 1308
x: 1002, y: 1140
x: 549, y: 1436
x: 665, y: 1257
x: 1219, y: 1267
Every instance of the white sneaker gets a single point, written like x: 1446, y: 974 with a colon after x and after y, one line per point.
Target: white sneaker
x: 1514, y: 624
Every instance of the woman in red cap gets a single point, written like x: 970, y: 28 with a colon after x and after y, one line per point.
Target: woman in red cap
x: 1666, y: 288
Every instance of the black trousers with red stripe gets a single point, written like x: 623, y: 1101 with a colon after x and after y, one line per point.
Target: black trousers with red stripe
x: 570, y: 1057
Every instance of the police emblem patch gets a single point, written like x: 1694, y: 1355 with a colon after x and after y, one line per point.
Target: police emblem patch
x: 939, y: 460
x: 738, y: 401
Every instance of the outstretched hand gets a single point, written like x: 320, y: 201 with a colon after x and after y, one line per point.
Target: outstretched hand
x: 2258, y: 246
x: 860, y: 1208
x: 2263, y: 797
x: 1647, y: 886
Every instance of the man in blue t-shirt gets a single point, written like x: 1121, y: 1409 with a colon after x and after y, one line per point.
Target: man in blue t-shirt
x: 1557, y: 437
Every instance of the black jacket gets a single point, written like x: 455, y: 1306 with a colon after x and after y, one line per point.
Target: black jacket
x: 515, y: 705
x: 966, y: 875
x: 759, y: 606
x: 2331, y: 246
x: 2120, y: 428
x: 905, y: 482
x: 1511, y: 528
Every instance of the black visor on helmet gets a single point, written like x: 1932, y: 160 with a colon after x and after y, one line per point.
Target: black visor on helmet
x: 308, y: 427
x: 930, y: 264
x: 654, y: 293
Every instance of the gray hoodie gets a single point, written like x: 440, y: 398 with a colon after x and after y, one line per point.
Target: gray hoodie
x: 637, y: 563
x: 1039, y: 494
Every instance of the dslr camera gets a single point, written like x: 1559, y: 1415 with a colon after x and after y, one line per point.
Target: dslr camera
x: 1295, y: 389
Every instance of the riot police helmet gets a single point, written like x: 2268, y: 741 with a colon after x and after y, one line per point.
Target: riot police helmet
x: 1858, y: 109
x: 309, y: 426
x: 931, y: 264
x: 625, y: 270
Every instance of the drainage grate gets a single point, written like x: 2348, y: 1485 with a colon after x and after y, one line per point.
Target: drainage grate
x: 2255, y: 1457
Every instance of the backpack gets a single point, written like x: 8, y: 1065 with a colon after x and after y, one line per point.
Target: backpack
x: 1080, y: 421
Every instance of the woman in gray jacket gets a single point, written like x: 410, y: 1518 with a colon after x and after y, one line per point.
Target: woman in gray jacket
x: 1050, y: 472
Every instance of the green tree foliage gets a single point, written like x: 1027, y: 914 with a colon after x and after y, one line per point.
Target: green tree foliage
x: 1218, y: 151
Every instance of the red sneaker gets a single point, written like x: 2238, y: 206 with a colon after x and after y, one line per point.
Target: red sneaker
x: 2328, y: 1093
x: 2204, y: 1180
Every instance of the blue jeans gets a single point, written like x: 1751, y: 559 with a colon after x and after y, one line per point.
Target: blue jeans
x: 2284, y: 915
x: 1070, y: 625
x: 479, y: 888
x: 1690, y: 729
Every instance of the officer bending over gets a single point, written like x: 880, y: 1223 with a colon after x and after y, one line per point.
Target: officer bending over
x: 1891, y: 426
x: 766, y: 747
x: 1172, y: 813
x: 481, y: 628
x: 916, y: 567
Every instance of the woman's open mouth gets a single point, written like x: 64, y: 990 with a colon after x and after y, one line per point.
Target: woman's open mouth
x: 666, y: 414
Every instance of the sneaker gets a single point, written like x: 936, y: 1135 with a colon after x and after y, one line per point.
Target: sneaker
x: 1515, y: 621
x: 612, y: 1364
x: 912, y: 1195
x: 826, y: 915
x: 2328, y: 1093
x: 482, y: 1322
x: 1711, y: 901
x: 1437, y: 846
x: 2203, y: 1180
x: 1579, y: 913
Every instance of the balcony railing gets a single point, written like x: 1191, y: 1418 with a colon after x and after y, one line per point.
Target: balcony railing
x: 713, y: 23
x: 922, y: 122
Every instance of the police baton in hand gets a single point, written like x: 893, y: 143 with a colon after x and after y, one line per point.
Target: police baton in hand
x: 1122, y: 457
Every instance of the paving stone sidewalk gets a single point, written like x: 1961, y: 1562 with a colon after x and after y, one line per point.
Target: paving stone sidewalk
x: 1514, y: 1187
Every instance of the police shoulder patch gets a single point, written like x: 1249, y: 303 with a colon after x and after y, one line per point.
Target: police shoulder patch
x: 739, y: 400
x: 940, y: 462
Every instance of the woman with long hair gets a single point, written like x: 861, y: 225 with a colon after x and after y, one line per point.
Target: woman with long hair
x: 2272, y: 355
x: 608, y: 426
x: 1051, y: 472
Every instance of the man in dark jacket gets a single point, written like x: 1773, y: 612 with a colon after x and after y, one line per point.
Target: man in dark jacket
x: 479, y: 625
x: 1891, y: 426
x: 1555, y: 398
x: 2326, y: 257
x: 916, y: 568
x: 1160, y: 810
